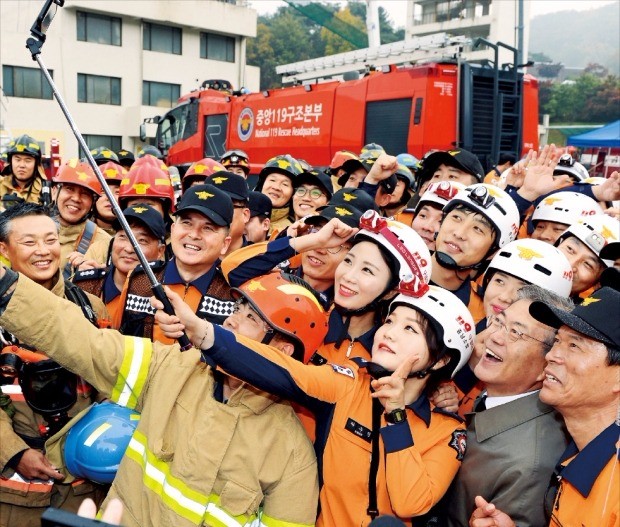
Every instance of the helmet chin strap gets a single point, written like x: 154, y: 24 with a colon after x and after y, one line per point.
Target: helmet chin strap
x: 447, y: 262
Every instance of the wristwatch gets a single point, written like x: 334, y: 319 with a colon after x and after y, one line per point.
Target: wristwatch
x: 396, y: 416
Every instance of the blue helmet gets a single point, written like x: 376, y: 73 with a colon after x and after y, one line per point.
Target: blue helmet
x: 97, y: 442
x: 411, y: 162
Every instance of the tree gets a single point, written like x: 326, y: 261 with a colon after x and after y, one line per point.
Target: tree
x: 336, y: 44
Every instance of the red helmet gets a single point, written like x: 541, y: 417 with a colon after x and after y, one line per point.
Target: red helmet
x: 77, y: 172
x: 339, y: 159
x: 113, y: 172
x: 147, y: 181
x: 200, y: 170
x: 288, y: 305
x: 151, y: 161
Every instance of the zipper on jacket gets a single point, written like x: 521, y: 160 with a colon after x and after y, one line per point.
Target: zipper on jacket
x: 350, y: 347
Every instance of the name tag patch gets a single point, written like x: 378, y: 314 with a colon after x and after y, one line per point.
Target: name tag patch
x: 343, y: 371
x: 359, y: 430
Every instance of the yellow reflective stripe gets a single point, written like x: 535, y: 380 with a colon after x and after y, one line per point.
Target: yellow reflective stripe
x: 133, y: 371
x: 268, y: 521
x: 162, y: 181
x: 184, y: 501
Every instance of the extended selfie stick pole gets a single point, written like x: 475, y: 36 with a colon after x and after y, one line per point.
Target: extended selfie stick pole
x: 34, y: 45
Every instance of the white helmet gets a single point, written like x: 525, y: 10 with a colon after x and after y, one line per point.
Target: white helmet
x: 439, y: 193
x: 450, y: 318
x: 535, y: 262
x: 495, y: 205
x: 596, y: 232
x: 405, y: 245
x: 565, y: 207
x: 567, y: 165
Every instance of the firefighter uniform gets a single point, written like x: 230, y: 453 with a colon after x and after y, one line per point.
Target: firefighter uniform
x: 417, y: 459
x: 208, y: 295
x: 21, y: 501
x: 589, y: 483
x: 100, y: 283
x: 192, y: 460
x: 31, y: 193
x: 261, y: 258
x: 70, y: 237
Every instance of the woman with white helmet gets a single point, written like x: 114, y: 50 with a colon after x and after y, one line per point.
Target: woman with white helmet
x: 582, y: 243
x: 382, y: 450
x: 520, y: 263
x: 557, y: 211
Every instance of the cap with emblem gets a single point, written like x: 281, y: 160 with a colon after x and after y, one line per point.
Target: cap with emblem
x: 594, y: 317
x: 233, y: 184
x: 146, y: 215
x: 125, y: 157
x: 461, y: 159
x: 209, y: 201
x: 347, y: 204
x: 260, y: 204
x: 318, y: 178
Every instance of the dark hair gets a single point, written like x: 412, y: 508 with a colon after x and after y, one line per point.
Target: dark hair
x: 388, y: 258
x: 613, y: 356
x: 507, y: 157
x: 22, y: 210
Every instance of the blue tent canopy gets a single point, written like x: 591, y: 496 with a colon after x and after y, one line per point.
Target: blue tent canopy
x: 607, y: 136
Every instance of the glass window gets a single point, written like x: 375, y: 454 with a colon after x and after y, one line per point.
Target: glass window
x: 25, y: 82
x: 98, y: 28
x: 113, y: 142
x: 160, y: 94
x: 166, y: 39
x: 217, y: 47
x: 98, y: 89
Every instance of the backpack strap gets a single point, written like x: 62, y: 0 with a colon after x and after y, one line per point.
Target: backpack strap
x: 79, y: 298
x: 83, y: 244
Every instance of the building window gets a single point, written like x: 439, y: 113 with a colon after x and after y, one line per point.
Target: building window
x: 98, y: 89
x: 160, y: 94
x: 113, y: 142
x: 98, y: 28
x: 166, y: 39
x: 217, y: 47
x: 25, y: 82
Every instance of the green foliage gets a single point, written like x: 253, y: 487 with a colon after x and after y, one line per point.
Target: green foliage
x: 587, y: 100
x: 288, y: 36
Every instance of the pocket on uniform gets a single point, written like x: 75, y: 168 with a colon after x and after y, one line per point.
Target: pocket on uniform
x: 25, y: 494
x: 237, y: 499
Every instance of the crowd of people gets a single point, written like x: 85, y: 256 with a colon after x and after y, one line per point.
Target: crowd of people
x: 384, y: 341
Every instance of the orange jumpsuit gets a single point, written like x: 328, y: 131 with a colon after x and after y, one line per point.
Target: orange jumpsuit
x: 417, y: 458
x: 589, y: 483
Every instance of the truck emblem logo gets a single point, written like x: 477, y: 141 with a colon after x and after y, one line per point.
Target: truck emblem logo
x: 245, y: 124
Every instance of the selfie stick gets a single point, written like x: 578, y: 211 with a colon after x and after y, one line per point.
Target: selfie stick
x: 34, y: 45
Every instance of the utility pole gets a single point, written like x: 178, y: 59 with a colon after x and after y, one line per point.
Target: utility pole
x: 372, y: 23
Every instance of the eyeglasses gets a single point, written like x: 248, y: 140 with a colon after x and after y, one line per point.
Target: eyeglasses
x: 330, y: 250
x: 512, y: 333
x: 242, y: 306
x: 315, y: 193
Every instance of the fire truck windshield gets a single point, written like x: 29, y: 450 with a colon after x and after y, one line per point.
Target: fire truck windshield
x: 179, y: 123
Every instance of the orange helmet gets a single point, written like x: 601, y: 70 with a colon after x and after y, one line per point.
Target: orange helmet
x: 77, y: 172
x: 291, y: 307
x: 200, y: 170
x: 339, y: 159
x: 146, y: 180
x: 113, y: 172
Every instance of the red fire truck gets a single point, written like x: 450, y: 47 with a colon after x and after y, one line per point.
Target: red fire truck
x: 407, y: 108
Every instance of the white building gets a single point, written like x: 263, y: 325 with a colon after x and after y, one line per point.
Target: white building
x: 494, y: 20
x: 116, y: 63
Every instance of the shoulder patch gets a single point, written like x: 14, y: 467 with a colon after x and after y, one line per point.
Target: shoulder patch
x: 343, y: 371
x: 459, y: 443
